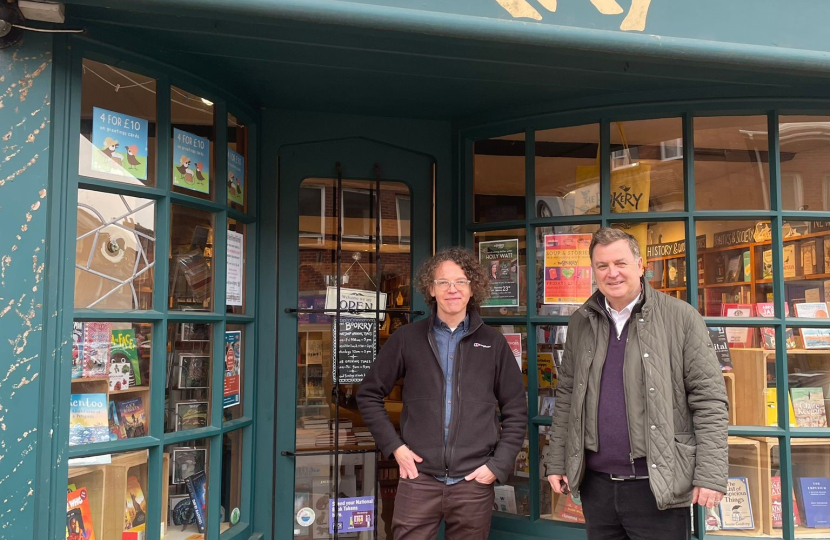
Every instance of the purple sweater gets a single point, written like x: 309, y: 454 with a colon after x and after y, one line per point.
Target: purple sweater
x: 613, y: 455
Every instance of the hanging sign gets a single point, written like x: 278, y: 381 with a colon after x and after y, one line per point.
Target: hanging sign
x: 236, y: 177
x: 353, y: 349
x: 191, y: 161
x: 120, y: 144
x: 353, y: 514
x: 567, y: 268
x: 233, y: 368
x: 233, y: 276
x: 355, y: 299
x: 500, y: 259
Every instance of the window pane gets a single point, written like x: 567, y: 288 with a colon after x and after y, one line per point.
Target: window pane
x: 502, y: 255
x: 809, y: 379
x: 550, y: 345
x: 551, y: 505
x: 118, y: 125
x: 237, y: 271
x: 811, y: 469
x: 731, y: 151
x: 647, y: 166
x: 513, y: 497
x: 187, y: 488
x: 664, y: 254
x: 192, y: 139
x: 806, y: 266
x: 191, y: 268
x: 189, y: 371
x: 234, y: 378
x: 114, y: 251
x: 567, y: 171
x: 237, y: 164
x: 499, y: 179
x: 749, y: 374
x: 564, y: 278
x: 804, y: 162
x: 231, y: 496
x: 108, y: 495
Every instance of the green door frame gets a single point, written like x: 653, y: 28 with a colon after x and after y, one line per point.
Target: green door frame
x: 317, y: 159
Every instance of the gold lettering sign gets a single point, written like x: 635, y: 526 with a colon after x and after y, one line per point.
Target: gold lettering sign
x: 634, y: 20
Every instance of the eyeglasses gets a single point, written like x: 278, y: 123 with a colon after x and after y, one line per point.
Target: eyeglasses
x: 444, y: 284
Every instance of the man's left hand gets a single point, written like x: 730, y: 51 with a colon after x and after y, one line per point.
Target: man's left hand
x: 706, y: 497
x: 482, y: 475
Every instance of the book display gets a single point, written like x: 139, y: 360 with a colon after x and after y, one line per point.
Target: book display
x: 189, y: 371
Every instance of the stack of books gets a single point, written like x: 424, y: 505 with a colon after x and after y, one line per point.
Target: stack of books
x: 363, y: 437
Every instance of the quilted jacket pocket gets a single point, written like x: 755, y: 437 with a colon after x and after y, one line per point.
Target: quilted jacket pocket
x: 685, y: 448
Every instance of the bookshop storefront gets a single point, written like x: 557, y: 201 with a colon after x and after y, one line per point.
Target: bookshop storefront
x: 214, y: 218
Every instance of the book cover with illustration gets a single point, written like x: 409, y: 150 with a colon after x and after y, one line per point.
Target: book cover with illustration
x: 116, y: 427
x: 545, y: 370
x: 88, y: 419
x: 808, y: 404
x: 505, y: 500
x: 789, y: 260
x: 522, y: 467
x: 123, y: 348
x: 735, y: 507
x: 132, y: 416
x: 777, y: 512
x: 815, y: 501
x: 766, y: 309
x: 135, y: 514
x: 738, y: 338
x: 814, y: 338
x: 78, y: 516
x: 77, y: 350
x: 718, y: 336
x: 672, y: 273
x: 772, y: 408
x: 97, y: 337
x: 197, y: 489
x: 567, y: 510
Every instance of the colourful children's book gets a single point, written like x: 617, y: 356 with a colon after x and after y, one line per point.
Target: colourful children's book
x: 544, y: 366
x: 116, y: 427
x: 772, y: 408
x: 135, y: 514
x: 808, y: 404
x: 97, y: 336
x: 77, y: 350
x: 765, y: 309
x: 131, y: 414
x: 78, y: 516
x: 124, y: 347
x: 814, y: 338
x: 88, y: 419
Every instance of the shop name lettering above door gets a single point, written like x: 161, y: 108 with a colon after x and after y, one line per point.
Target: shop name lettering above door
x: 635, y: 19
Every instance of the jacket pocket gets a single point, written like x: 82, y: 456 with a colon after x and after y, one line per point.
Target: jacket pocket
x: 422, y: 431
x: 685, y: 449
x: 473, y: 443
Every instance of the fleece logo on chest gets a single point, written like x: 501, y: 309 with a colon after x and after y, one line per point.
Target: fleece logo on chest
x: 477, y: 344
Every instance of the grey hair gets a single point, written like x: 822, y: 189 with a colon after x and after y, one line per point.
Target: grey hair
x: 607, y: 235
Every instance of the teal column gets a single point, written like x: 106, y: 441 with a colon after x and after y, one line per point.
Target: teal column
x: 25, y: 126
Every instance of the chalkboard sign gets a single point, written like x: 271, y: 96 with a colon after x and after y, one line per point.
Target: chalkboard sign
x: 354, y: 352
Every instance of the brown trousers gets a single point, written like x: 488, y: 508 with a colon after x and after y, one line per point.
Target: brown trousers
x: 421, y: 504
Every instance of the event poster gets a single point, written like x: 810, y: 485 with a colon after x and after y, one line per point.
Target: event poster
x: 500, y: 259
x: 353, y: 514
x: 191, y: 161
x: 120, y: 144
x: 567, y: 268
x: 233, y: 368
x: 236, y: 178
x: 235, y: 269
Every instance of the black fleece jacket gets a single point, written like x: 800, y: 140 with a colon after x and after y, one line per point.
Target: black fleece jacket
x: 485, y: 376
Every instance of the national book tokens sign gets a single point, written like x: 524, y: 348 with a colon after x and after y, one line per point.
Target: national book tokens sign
x: 119, y: 144
x: 500, y: 259
x: 353, y: 514
x: 353, y: 349
x: 567, y: 268
x: 191, y: 161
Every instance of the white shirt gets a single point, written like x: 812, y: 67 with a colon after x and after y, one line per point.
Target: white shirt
x: 621, y: 317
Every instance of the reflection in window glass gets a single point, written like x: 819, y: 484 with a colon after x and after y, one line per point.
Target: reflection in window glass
x: 567, y: 171
x: 237, y: 164
x: 187, y: 489
x: 731, y: 151
x: 236, y: 283
x: 193, y: 135
x: 191, y: 262
x: 231, y: 495
x: 647, y: 166
x: 118, y: 125
x: 234, y: 378
x: 499, y: 179
x: 804, y: 153
x: 114, y: 251
x: 502, y: 254
x: 189, y: 371
x: 561, y: 287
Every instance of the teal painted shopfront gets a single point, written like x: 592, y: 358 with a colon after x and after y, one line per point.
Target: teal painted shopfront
x: 213, y: 212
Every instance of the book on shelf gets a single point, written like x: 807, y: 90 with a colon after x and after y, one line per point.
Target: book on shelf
x: 815, y: 501
x: 720, y: 268
x: 197, y: 490
x: 77, y: 350
x: 135, y: 513
x: 718, y: 336
x: 812, y: 295
x: 747, y: 266
x: 117, y: 430
x: 96, y: 350
x: 808, y: 404
x: 738, y: 337
x: 672, y: 273
x: 522, y: 466
x: 545, y: 370
x: 123, y: 348
x: 808, y: 257
x: 505, y: 499
x: 567, y: 510
x: 766, y: 309
x: 736, y: 507
x: 789, y: 260
x: 777, y: 507
x: 766, y: 264
x: 826, y: 249
x: 771, y: 396
x: 700, y: 270
x: 79, y: 516
x: 132, y: 416
x: 654, y: 273
x: 734, y: 268
x: 814, y: 338
x: 88, y: 421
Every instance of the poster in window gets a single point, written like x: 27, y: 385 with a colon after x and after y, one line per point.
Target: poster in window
x: 236, y: 178
x: 500, y: 259
x: 567, y: 268
x: 233, y: 368
x: 235, y: 269
x: 354, y: 348
x: 119, y: 144
x: 191, y: 161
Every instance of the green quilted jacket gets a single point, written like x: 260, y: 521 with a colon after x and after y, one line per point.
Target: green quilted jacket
x: 675, y: 397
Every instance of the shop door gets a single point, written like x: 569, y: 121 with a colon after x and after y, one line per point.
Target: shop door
x: 355, y: 222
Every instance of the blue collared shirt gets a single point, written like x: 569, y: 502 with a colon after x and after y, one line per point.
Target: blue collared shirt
x: 447, y: 342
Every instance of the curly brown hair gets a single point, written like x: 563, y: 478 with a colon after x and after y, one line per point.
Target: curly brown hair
x: 468, y: 262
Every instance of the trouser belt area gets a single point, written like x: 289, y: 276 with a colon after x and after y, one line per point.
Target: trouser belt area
x: 623, y: 477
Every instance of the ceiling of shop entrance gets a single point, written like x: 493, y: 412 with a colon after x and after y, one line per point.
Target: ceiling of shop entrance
x: 292, y: 64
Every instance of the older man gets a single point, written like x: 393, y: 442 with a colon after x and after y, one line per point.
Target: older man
x: 640, y: 422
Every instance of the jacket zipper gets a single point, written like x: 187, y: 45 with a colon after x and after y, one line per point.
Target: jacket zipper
x: 625, y: 397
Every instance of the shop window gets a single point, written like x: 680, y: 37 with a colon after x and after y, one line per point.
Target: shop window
x: 189, y: 376
x: 186, y: 489
x: 192, y: 140
x: 114, y: 251
x: 792, y: 191
x: 238, y: 187
x: 502, y: 256
x: 647, y: 166
x: 499, y: 179
x: 233, y: 394
x: 805, y: 154
x: 231, y: 492
x: 567, y: 171
x: 731, y: 151
x: 191, y: 260
x: 118, y: 125
x: 564, y: 276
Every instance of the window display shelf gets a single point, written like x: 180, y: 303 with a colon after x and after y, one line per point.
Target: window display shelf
x: 744, y: 459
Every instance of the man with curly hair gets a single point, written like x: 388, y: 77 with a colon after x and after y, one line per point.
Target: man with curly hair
x: 456, y: 372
